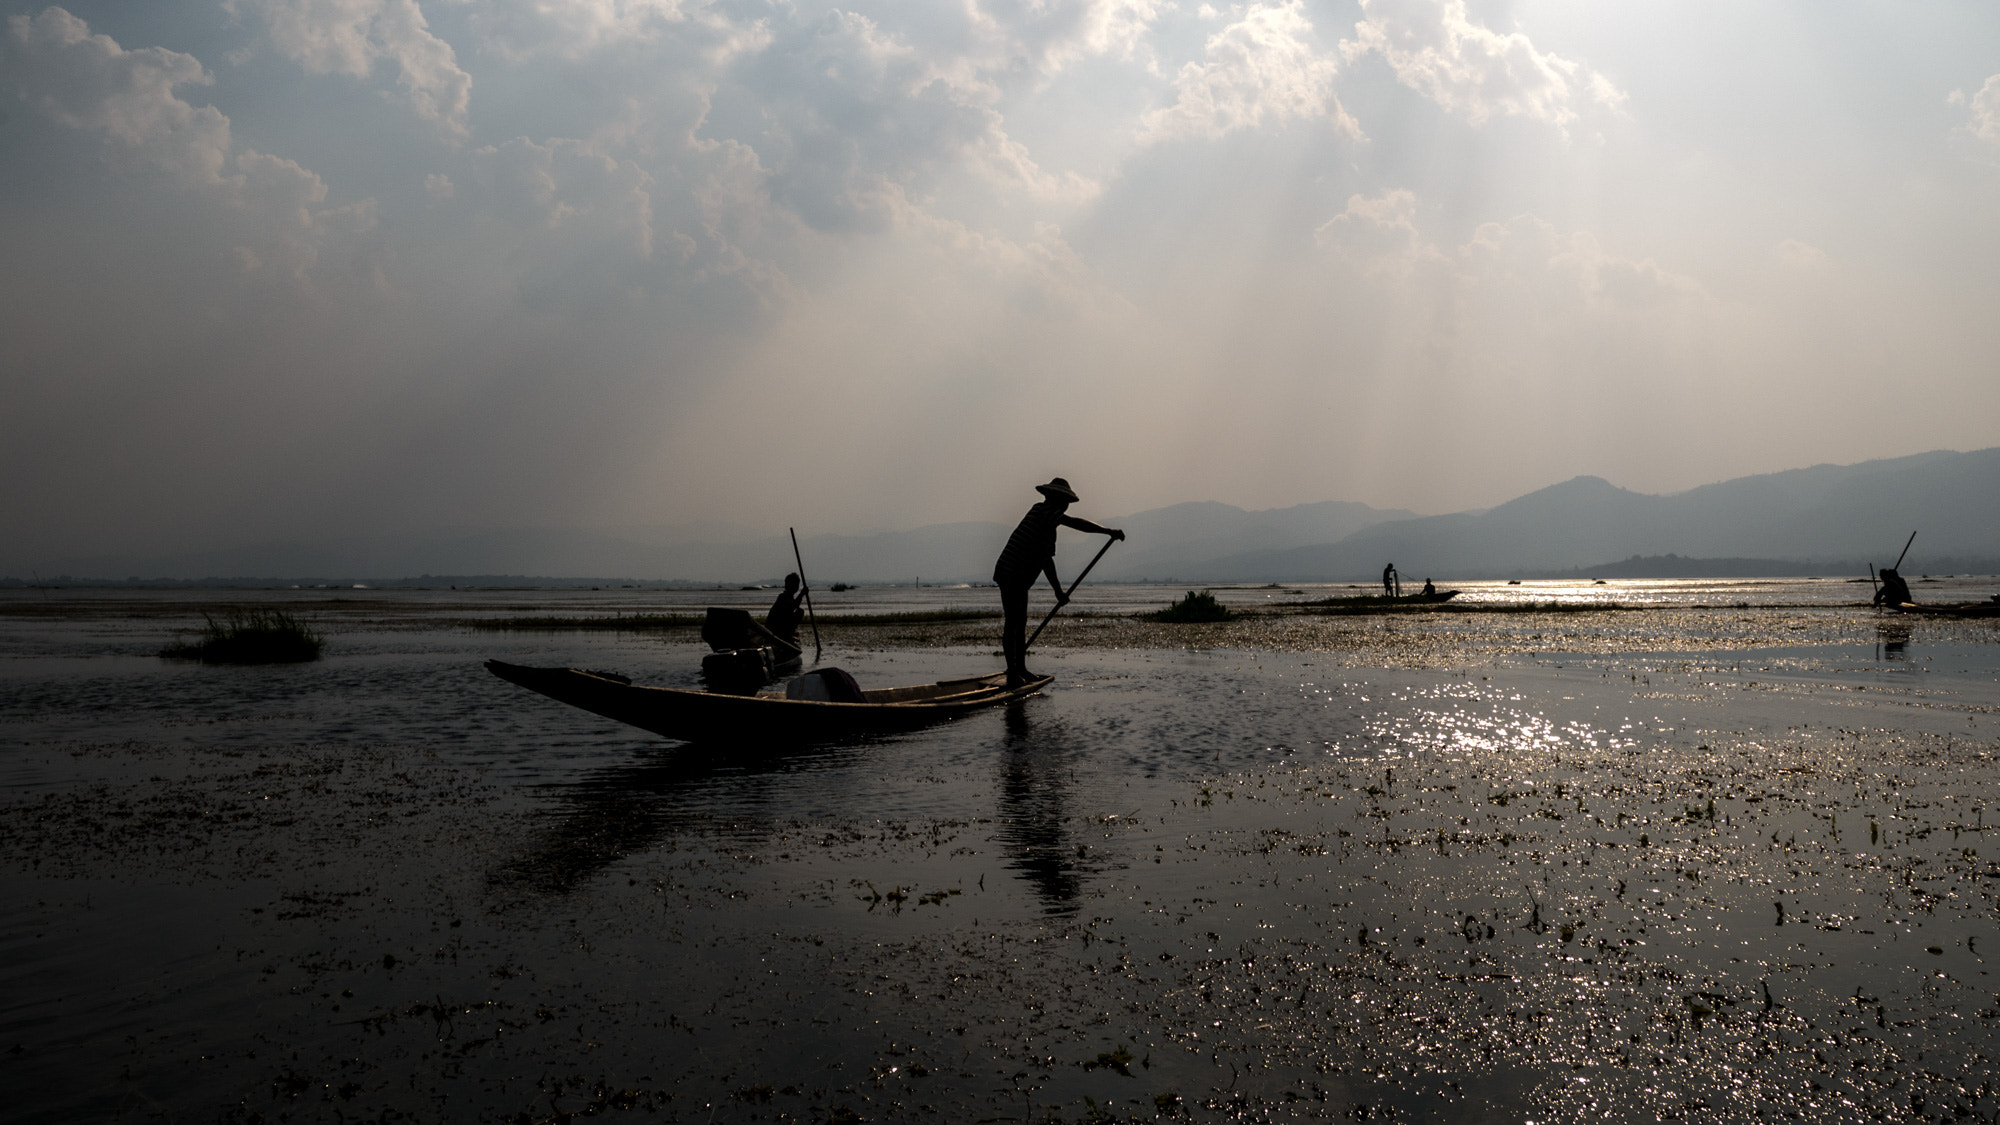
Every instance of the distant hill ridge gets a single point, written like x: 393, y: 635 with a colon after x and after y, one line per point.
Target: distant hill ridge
x: 1822, y: 514
x: 1825, y: 516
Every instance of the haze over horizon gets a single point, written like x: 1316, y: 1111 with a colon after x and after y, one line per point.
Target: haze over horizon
x: 290, y: 269
x: 1794, y: 523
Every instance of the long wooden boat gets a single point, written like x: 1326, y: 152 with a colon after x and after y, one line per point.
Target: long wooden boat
x: 1963, y: 609
x: 701, y: 716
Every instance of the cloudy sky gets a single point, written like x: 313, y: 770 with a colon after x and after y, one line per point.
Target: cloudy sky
x: 279, y: 269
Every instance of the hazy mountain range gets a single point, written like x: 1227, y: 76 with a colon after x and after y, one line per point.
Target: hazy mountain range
x: 1820, y: 517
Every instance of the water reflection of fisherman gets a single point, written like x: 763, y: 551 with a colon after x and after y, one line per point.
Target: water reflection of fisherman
x: 1029, y: 554
x: 1033, y: 810
x: 1894, y: 590
x: 788, y: 611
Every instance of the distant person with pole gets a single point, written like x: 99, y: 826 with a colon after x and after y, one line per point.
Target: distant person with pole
x: 788, y: 611
x: 1031, y: 553
x: 1391, y: 581
x: 1894, y: 591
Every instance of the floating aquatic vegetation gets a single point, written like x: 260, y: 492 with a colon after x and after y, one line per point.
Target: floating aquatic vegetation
x: 641, y: 622
x: 1195, y: 607
x: 255, y: 636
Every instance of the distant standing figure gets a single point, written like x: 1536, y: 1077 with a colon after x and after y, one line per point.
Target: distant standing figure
x: 1029, y: 554
x: 787, y: 611
x: 1894, y: 590
x: 1389, y: 580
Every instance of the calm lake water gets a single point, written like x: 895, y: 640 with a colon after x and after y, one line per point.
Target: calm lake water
x: 1580, y: 880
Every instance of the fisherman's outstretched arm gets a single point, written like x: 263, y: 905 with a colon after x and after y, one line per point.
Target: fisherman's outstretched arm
x: 1094, y: 528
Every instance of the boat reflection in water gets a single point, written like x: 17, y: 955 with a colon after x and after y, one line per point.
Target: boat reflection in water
x: 726, y: 791
x: 625, y: 810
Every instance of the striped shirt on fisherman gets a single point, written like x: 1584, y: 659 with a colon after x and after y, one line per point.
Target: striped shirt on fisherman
x: 1030, y: 548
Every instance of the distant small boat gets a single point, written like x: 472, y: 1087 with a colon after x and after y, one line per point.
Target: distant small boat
x: 701, y: 716
x: 1962, y: 609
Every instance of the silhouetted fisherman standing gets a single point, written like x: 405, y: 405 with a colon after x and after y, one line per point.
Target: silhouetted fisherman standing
x: 1390, y: 580
x: 1029, y: 554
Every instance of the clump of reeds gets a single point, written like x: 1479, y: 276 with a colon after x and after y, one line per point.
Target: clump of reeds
x: 250, y: 636
x: 1195, y: 607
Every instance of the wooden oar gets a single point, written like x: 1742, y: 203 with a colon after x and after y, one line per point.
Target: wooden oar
x: 1898, y: 568
x: 808, y: 591
x: 1066, y: 594
x: 1872, y: 583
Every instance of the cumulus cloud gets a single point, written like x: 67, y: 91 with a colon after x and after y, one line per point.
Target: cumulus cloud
x: 1058, y: 35
x: 351, y: 36
x: 563, y: 186
x: 1262, y: 69
x: 88, y: 82
x: 573, y: 29
x: 844, y: 104
x: 1525, y: 254
x: 1984, y: 104
x: 1473, y: 71
x: 1607, y: 280
x: 1530, y: 253
x: 1379, y: 234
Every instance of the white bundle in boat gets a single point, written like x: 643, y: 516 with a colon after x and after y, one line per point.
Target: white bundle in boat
x: 824, y: 685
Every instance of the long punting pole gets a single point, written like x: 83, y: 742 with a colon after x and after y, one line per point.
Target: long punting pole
x: 809, y: 592
x: 1906, y: 550
x: 1872, y: 584
x: 1066, y: 594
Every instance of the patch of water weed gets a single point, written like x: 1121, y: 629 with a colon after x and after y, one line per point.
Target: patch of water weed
x: 250, y: 636
x: 1195, y: 607
x: 639, y: 622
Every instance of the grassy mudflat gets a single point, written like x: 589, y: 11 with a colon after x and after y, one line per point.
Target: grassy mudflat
x: 1659, y: 864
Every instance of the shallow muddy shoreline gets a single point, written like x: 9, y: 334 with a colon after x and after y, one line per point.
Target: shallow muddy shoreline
x: 1671, y: 864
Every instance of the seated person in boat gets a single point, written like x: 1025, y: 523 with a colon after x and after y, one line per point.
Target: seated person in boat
x: 1894, y: 590
x: 1031, y: 553
x: 1430, y: 591
x: 788, y: 611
